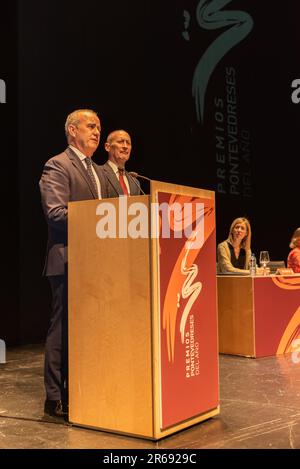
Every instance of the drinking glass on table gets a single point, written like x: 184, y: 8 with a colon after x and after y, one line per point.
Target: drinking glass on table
x: 264, y: 260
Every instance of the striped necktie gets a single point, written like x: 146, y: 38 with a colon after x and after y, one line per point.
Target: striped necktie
x: 91, y: 174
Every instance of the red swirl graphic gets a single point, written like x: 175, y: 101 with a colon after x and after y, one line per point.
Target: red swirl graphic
x: 184, y: 262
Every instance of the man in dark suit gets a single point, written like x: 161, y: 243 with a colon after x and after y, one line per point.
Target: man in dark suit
x: 69, y: 176
x: 119, y: 181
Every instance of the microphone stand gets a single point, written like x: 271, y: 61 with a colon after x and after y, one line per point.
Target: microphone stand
x: 133, y: 177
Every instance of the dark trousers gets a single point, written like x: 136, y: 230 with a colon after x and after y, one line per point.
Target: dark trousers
x: 56, y: 348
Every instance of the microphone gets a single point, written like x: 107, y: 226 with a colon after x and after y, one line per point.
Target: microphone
x: 136, y: 175
x: 133, y: 176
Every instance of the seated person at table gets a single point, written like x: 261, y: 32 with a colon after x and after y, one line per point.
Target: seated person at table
x: 234, y: 253
x: 293, y: 261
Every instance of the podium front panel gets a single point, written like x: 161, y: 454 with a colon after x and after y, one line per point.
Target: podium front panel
x: 186, y: 290
x: 109, y: 324
x: 137, y: 365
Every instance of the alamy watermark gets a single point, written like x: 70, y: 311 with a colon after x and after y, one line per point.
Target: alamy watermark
x: 295, y: 96
x: 2, y: 91
x: 164, y: 221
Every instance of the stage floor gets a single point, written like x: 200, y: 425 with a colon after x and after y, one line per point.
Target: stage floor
x: 260, y: 408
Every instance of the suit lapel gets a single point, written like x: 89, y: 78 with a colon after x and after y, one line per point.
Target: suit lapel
x: 113, y: 182
x: 78, y: 164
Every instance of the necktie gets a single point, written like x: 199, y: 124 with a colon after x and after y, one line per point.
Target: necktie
x: 122, y: 182
x: 91, y: 174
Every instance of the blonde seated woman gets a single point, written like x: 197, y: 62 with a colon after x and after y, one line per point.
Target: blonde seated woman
x: 293, y: 261
x: 234, y: 253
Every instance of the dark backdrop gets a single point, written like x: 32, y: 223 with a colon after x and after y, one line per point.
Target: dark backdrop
x: 134, y: 62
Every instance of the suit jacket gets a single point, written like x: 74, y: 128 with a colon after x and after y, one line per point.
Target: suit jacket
x: 224, y: 259
x: 113, y: 188
x: 64, y: 179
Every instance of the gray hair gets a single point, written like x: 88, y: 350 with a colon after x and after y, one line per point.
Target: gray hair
x: 75, y: 117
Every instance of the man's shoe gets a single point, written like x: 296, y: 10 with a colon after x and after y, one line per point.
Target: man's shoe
x: 55, y: 408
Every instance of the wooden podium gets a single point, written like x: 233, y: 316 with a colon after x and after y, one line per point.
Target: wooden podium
x: 143, y: 354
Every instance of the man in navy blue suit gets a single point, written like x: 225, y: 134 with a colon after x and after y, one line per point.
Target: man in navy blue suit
x: 69, y: 176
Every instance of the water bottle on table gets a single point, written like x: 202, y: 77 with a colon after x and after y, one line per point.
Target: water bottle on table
x: 252, y: 264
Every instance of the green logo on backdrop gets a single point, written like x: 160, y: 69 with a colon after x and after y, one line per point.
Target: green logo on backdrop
x: 210, y: 16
